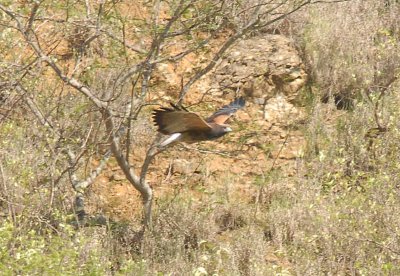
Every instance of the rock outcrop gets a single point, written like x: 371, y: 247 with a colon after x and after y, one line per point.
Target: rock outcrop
x: 267, y: 69
x: 262, y: 67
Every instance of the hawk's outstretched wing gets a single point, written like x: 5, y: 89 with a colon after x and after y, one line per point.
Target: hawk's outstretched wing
x: 225, y: 112
x: 174, y: 120
x: 185, y: 126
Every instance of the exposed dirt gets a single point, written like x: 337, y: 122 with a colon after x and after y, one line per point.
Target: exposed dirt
x: 264, y: 138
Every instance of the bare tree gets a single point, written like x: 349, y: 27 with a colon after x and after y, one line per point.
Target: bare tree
x: 84, y: 105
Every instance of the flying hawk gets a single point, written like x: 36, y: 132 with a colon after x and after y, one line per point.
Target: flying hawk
x: 185, y: 126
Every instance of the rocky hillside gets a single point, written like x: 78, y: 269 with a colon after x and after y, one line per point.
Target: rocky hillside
x: 306, y: 184
x: 266, y: 70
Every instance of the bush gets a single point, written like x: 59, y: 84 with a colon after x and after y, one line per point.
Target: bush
x: 354, y: 49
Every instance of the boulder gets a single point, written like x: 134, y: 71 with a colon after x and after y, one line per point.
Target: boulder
x: 262, y: 67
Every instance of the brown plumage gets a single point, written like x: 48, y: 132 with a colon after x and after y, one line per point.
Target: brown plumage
x: 186, y: 126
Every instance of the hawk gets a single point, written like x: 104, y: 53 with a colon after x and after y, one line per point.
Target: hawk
x: 185, y: 126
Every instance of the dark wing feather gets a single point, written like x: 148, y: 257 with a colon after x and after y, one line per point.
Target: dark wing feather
x: 175, y: 120
x: 226, y: 111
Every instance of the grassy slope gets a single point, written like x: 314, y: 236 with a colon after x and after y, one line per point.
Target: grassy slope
x: 337, y: 214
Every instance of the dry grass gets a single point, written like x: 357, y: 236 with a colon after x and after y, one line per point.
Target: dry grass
x: 351, y: 48
x: 337, y: 215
